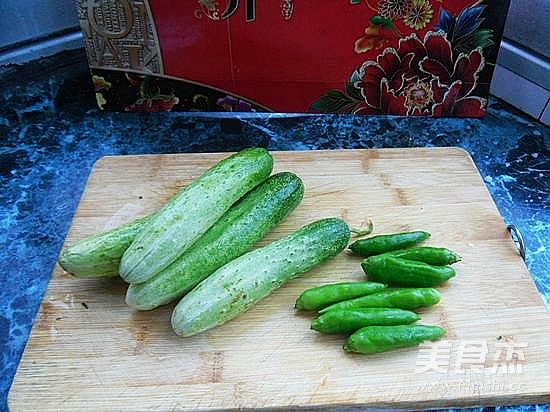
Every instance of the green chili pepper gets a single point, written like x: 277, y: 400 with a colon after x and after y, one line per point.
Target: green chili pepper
x: 376, y: 339
x: 393, y: 298
x: 349, y: 321
x: 319, y: 297
x: 436, y: 256
x: 386, y: 243
x: 402, y: 272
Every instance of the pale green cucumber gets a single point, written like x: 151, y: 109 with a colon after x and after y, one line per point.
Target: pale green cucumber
x: 234, y: 234
x: 99, y: 255
x: 191, y: 212
x: 238, y: 285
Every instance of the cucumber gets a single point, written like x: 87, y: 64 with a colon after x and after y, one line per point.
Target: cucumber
x: 234, y: 234
x: 192, y: 211
x: 238, y: 285
x: 99, y: 255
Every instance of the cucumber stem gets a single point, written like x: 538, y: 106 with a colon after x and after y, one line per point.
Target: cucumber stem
x: 359, y: 232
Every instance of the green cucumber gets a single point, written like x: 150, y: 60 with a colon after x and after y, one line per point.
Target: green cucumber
x: 99, y: 255
x: 191, y: 212
x: 234, y: 234
x: 238, y: 285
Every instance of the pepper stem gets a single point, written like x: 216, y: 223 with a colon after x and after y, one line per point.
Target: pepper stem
x: 362, y: 231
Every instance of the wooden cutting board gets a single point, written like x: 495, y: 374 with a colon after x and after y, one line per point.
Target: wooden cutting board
x: 88, y: 351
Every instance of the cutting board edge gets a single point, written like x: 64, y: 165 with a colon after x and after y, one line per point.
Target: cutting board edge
x: 481, y: 401
x: 460, y: 151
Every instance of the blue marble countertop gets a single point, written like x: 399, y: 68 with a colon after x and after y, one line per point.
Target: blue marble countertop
x: 51, y: 134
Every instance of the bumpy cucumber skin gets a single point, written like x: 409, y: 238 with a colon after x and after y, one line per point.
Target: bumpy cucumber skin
x: 99, y: 255
x: 191, y: 212
x: 234, y: 234
x: 235, y: 287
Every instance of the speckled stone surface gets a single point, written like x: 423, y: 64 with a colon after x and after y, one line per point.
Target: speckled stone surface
x: 51, y: 134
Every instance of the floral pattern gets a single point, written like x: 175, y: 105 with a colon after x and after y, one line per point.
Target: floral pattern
x: 136, y: 92
x: 433, y: 75
x: 405, y: 57
x: 151, y: 98
x: 415, y: 14
x: 419, y: 14
x: 233, y: 104
x: 100, y: 84
x: 393, y: 9
x: 376, y: 36
x: 158, y: 103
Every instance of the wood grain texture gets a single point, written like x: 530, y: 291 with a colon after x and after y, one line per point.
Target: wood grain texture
x: 107, y: 357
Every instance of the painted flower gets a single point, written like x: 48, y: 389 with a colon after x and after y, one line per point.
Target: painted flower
x: 421, y: 78
x: 419, y: 14
x: 374, y: 38
x: 100, y: 100
x: 418, y: 95
x: 159, y: 103
x: 393, y: 9
x: 232, y: 104
x: 100, y: 83
x: 449, y: 102
x: 436, y: 76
